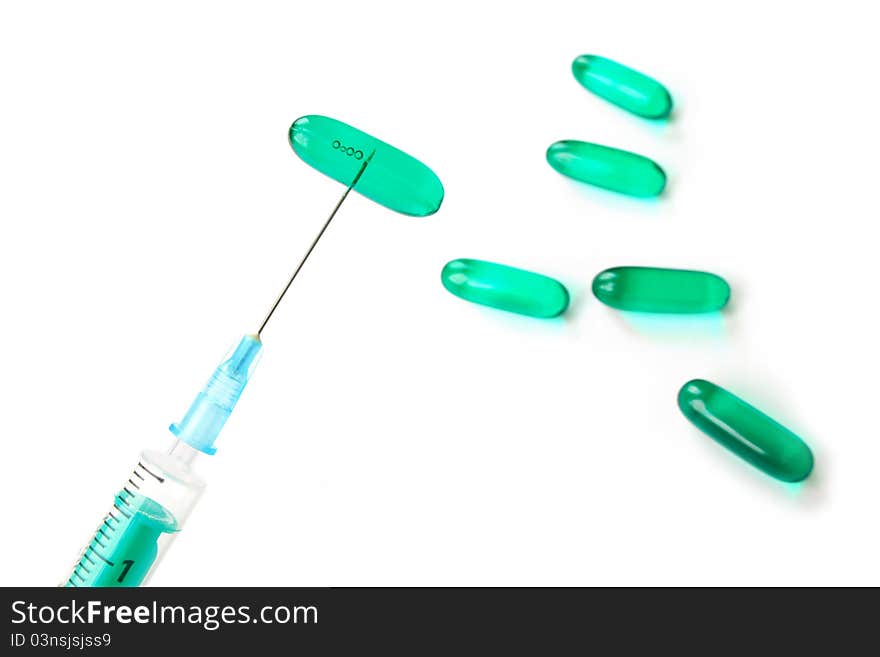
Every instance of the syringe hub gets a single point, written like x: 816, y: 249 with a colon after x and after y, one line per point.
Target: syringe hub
x: 206, y: 416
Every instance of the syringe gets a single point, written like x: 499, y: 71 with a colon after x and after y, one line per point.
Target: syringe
x: 150, y: 510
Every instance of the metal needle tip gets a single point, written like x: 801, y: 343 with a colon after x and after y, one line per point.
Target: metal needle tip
x: 315, y: 242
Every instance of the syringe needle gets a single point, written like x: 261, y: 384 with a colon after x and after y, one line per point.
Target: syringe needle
x: 315, y: 242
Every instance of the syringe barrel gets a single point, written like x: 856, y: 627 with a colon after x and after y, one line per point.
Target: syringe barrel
x: 150, y: 510
x: 146, y: 516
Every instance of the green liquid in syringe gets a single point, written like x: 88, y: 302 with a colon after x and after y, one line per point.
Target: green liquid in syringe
x: 125, y: 545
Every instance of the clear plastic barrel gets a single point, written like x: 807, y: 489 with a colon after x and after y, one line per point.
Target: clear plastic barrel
x: 147, y: 514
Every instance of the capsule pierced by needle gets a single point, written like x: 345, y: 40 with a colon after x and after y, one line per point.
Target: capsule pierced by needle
x: 396, y: 180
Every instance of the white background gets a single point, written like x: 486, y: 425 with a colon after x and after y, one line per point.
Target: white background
x: 393, y: 434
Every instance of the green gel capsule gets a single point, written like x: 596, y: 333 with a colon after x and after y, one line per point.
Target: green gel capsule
x: 611, y: 168
x: 392, y: 178
x: 745, y: 431
x: 506, y: 288
x: 655, y: 290
x: 621, y: 85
